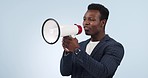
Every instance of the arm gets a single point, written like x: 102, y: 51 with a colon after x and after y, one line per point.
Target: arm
x: 69, y: 45
x: 108, y: 64
x: 66, y: 64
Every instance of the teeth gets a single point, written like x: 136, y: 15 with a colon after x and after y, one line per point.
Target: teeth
x: 86, y: 28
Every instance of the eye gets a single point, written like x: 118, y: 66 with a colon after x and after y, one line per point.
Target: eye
x: 92, y: 19
x: 84, y: 19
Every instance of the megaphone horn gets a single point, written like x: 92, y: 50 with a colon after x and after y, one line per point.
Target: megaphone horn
x: 51, y: 31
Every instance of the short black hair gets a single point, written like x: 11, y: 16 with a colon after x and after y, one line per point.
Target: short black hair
x: 102, y: 9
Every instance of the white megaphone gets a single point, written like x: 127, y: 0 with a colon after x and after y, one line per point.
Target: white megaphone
x: 51, y: 31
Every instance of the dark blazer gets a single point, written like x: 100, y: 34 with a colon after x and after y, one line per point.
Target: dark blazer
x: 102, y: 63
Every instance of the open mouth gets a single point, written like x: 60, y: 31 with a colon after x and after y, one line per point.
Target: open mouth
x: 86, y: 28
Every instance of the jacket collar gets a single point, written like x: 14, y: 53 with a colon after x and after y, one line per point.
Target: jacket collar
x: 101, y: 43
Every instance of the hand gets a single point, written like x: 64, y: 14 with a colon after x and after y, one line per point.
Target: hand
x: 70, y: 44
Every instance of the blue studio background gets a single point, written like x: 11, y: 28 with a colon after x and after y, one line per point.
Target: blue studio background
x: 24, y: 53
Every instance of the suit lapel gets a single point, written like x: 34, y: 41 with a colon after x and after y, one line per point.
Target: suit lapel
x: 99, y: 45
x: 83, y: 47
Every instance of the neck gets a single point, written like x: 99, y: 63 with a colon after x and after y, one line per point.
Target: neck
x: 97, y: 37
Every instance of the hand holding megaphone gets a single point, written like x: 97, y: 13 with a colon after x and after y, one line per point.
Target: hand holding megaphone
x: 70, y: 44
x: 51, y: 31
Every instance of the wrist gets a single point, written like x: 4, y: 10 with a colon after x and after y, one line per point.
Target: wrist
x: 77, y: 51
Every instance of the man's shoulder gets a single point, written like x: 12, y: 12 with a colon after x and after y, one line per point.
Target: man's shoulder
x: 110, y: 41
x: 113, y: 42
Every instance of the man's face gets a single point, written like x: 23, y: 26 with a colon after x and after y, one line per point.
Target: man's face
x: 92, y: 23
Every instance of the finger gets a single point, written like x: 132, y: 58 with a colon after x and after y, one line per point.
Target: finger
x: 76, y: 40
x: 65, y: 44
x: 67, y: 37
x: 66, y: 49
x: 66, y: 40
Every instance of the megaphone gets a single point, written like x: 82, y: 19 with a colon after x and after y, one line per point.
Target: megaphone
x: 51, y: 31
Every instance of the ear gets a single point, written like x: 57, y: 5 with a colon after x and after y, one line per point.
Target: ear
x: 103, y: 23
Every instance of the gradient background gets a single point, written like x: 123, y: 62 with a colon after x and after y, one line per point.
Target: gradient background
x: 24, y: 53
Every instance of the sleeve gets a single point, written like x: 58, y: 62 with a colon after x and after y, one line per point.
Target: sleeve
x: 108, y: 64
x: 66, y: 64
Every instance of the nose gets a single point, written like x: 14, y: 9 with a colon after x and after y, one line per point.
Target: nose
x: 86, y: 22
